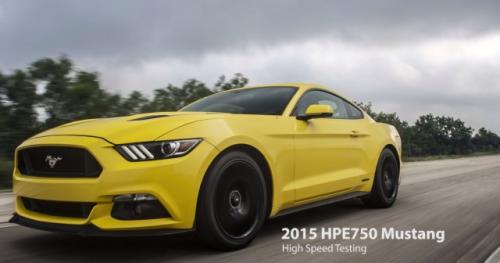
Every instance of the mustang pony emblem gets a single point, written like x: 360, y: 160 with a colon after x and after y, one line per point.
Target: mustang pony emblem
x: 52, y: 160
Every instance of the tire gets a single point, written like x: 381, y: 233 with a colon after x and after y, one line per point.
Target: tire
x: 386, y: 182
x: 232, y: 202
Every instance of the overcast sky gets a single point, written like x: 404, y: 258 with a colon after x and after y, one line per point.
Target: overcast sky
x: 411, y: 57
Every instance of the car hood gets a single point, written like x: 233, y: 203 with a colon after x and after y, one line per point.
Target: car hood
x: 135, y: 128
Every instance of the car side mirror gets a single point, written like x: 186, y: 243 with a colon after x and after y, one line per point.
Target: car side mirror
x: 316, y: 111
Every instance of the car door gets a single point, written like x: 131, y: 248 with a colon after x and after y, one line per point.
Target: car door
x: 329, y: 153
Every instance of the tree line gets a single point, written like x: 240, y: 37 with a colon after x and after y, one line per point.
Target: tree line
x: 50, y: 92
x: 432, y: 135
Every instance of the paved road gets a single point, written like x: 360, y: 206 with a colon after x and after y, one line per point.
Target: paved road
x: 6, y: 206
x: 459, y: 196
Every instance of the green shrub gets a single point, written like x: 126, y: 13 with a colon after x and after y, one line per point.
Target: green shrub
x: 5, y: 173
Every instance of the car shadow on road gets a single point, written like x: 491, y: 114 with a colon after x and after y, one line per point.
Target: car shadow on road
x: 58, y: 247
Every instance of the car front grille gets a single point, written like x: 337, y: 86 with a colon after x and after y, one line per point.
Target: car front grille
x: 58, y: 208
x: 51, y: 161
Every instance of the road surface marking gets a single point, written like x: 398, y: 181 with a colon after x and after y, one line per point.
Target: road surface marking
x: 495, y: 257
x: 5, y: 201
x: 5, y: 225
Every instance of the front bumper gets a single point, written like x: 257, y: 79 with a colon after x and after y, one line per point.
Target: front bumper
x: 174, y: 182
x: 90, y: 230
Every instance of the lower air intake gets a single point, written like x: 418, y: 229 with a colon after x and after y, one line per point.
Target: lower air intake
x: 58, y: 208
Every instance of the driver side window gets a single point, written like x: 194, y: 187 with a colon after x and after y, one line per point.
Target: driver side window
x: 325, y: 98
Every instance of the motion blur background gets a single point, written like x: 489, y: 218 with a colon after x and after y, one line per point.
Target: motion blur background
x: 428, y: 67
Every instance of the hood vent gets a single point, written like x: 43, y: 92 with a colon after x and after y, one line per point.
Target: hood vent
x: 149, y: 117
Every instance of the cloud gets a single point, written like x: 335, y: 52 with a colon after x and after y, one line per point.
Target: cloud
x: 129, y: 31
x: 410, y: 57
x: 456, y: 77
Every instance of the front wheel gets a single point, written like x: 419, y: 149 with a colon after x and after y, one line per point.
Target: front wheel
x: 386, y: 182
x: 232, y: 202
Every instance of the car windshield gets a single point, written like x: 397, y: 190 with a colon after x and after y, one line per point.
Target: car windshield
x: 262, y: 101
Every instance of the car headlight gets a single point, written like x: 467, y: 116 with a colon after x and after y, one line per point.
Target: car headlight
x: 156, y: 150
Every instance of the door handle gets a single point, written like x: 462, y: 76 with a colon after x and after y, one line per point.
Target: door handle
x: 354, y: 134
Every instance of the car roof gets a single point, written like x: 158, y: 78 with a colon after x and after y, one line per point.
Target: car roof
x: 300, y: 85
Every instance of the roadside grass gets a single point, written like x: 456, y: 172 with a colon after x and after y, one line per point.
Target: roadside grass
x: 443, y: 157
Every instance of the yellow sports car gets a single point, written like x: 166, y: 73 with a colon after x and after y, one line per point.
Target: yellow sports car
x: 220, y: 166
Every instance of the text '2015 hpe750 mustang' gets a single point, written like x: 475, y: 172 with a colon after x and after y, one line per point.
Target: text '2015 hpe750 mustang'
x: 220, y: 166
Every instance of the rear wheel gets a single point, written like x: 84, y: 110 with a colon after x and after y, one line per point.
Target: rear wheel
x: 232, y: 202
x: 386, y: 182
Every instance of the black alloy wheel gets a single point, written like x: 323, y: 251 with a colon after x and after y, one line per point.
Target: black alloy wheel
x: 386, y: 182
x: 232, y: 202
x: 389, y: 177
